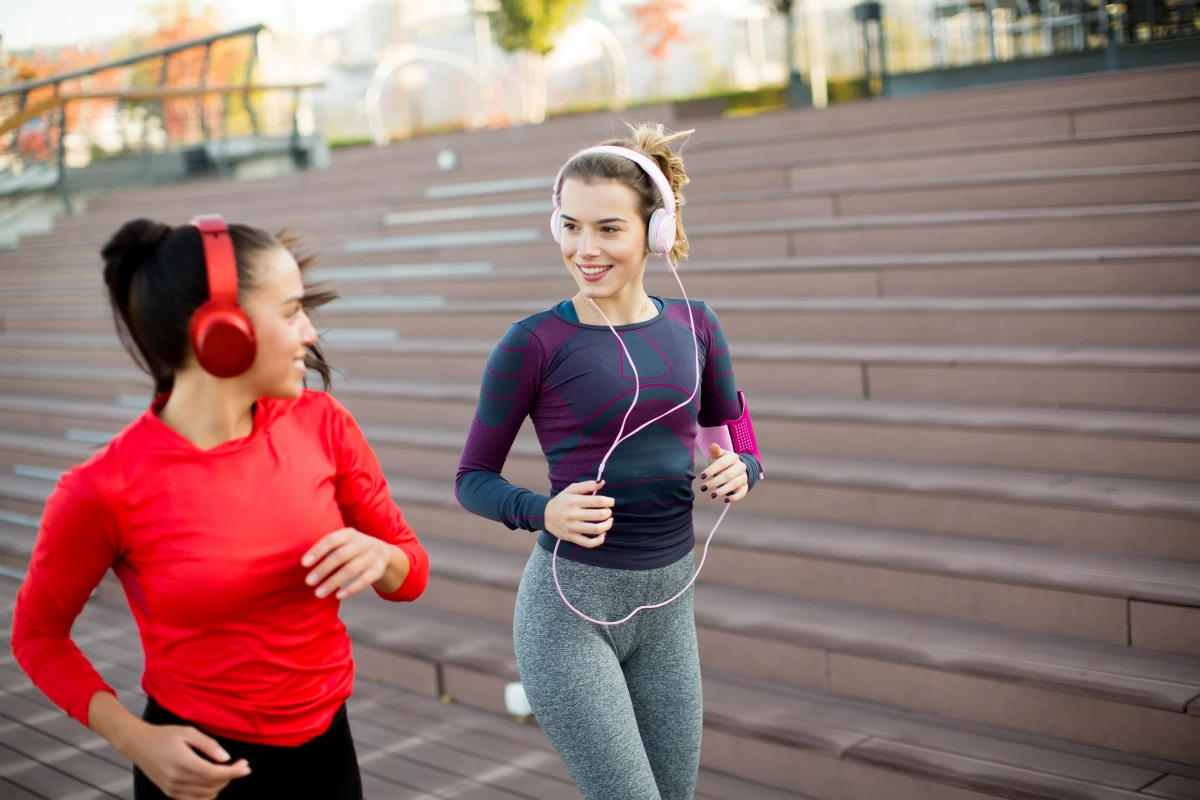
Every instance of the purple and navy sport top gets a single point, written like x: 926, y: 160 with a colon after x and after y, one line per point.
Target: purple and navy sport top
x: 574, y: 381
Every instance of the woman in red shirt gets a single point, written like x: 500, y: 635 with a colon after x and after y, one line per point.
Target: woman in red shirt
x: 237, y: 513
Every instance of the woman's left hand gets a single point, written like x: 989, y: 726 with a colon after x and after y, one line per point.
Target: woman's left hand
x: 346, y: 561
x: 726, y: 475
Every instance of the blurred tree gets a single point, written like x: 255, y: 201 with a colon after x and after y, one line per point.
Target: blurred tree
x: 533, y: 25
x: 660, y: 29
x: 175, y: 21
x: 38, y: 139
x: 532, y: 28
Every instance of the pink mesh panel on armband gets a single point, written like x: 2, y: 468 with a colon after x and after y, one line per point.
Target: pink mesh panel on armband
x: 736, y: 435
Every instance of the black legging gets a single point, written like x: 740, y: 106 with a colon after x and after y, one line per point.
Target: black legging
x: 324, y: 767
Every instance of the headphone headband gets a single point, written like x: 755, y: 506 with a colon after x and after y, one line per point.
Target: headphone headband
x: 221, y: 265
x: 660, y: 227
x: 648, y: 165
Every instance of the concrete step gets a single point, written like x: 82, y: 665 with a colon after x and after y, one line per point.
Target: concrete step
x: 832, y: 733
x: 1089, y: 95
x: 1083, y: 186
x: 778, y: 638
x: 1018, y: 507
x: 799, y: 641
x: 811, y: 422
x: 1128, y: 270
x: 1145, y: 378
x: 1067, y: 592
x: 839, y: 370
x: 1172, y: 319
x: 1052, y: 187
x: 427, y: 651
x: 1131, y: 443
x: 737, y: 714
x: 1135, y: 517
x: 1079, y: 186
x: 1160, y: 111
x: 1096, y: 377
x: 1070, y: 226
x: 471, y: 659
x: 1057, y: 152
x: 1046, y: 152
x: 1035, y: 319
x: 1168, y: 112
x: 476, y: 761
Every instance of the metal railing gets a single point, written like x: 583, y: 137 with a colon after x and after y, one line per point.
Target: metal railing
x: 129, y: 108
x: 926, y: 36
x: 22, y: 90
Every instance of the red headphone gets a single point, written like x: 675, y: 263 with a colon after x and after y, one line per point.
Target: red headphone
x: 221, y: 333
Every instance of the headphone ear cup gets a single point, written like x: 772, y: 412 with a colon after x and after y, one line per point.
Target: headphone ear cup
x: 660, y: 232
x: 556, y: 225
x: 223, y: 341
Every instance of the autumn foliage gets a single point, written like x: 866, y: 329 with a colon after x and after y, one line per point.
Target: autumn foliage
x: 171, y: 22
x: 660, y: 25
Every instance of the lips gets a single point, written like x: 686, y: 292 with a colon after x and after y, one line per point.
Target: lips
x: 593, y: 272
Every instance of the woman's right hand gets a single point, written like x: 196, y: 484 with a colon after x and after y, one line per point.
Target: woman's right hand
x: 168, y: 755
x: 577, y: 516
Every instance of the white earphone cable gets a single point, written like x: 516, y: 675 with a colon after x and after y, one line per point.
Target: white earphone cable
x: 622, y: 436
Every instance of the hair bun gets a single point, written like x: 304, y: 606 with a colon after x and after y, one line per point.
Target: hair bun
x: 131, y: 247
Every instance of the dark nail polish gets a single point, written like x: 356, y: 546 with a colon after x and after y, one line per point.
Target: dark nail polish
x: 704, y: 488
x: 703, y: 476
x: 726, y: 499
x: 714, y: 494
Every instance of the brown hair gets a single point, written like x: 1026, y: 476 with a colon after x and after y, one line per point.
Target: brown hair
x: 655, y: 141
x: 157, y: 278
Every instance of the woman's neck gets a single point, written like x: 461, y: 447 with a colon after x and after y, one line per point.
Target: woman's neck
x: 208, y: 411
x: 625, y: 310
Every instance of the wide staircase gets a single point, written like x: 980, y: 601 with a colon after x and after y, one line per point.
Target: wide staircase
x: 969, y: 324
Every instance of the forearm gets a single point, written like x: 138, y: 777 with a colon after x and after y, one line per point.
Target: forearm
x: 491, y: 496
x: 113, y: 721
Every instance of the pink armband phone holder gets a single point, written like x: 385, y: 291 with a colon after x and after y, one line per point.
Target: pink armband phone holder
x: 736, y: 435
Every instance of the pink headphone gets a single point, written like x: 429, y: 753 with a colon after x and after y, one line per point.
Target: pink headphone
x: 661, y: 238
x: 660, y: 234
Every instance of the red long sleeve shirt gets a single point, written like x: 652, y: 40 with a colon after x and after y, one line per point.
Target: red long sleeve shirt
x: 207, y: 544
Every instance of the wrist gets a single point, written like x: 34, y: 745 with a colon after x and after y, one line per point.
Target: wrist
x: 127, y: 739
x: 395, y: 569
x: 116, y: 724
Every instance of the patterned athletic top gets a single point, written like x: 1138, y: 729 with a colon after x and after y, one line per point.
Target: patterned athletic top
x: 574, y: 381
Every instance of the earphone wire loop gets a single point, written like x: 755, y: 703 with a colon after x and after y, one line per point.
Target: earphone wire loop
x: 621, y: 436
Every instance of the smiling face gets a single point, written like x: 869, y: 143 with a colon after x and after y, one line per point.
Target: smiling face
x: 603, y: 239
x: 281, y: 326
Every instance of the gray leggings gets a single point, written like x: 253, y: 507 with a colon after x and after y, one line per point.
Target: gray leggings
x: 621, y: 705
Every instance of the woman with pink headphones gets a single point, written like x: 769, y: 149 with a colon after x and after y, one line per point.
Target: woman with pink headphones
x: 620, y: 386
x: 237, y: 511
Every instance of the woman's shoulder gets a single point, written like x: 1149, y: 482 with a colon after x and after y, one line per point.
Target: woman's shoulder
x: 544, y: 326
x: 680, y: 303
x: 677, y: 309
x: 104, y: 475
x: 313, y: 404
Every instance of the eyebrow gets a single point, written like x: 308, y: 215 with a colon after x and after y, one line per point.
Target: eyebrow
x: 297, y: 299
x: 601, y: 222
